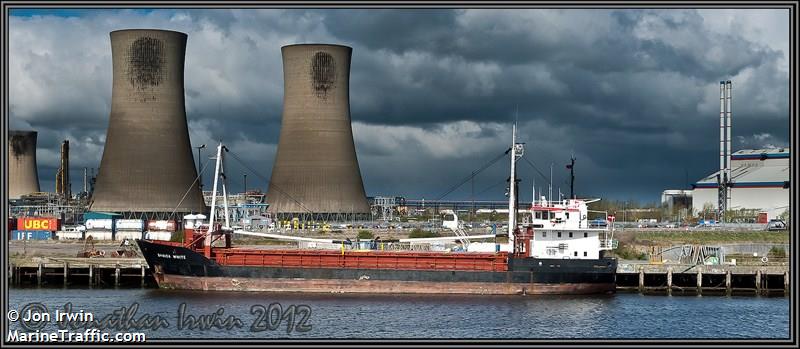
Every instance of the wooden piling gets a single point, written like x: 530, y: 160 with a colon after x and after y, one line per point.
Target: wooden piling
x: 39, y: 272
x: 12, y: 275
x: 758, y: 282
x: 641, y: 280
x: 669, y: 281
x: 143, y: 276
x: 728, y: 283
x: 91, y: 274
x: 116, y: 275
x: 786, y: 282
x: 66, y: 273
x: 699, y: 282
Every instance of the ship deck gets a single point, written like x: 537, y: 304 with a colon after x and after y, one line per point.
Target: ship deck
x: 370, y: 259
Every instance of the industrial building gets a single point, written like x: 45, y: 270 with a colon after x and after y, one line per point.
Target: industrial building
x: 676, y: 199
x: 23, y: 176
x: 759, y: 180
x: 316, y: 174
x: 147, y: 169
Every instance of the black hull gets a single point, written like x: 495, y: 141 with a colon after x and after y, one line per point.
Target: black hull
x: 563, y: 273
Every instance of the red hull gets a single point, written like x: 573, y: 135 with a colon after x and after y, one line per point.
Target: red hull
x: 375, y: 286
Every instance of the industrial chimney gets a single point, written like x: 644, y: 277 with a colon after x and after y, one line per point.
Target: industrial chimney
x: 316, y: 170
x: 147, y: 163
x: 23, y: 177
x: 63, y: 186
x: 724, y: 176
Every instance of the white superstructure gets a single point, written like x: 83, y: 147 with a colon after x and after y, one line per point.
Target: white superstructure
x: 567, y: 230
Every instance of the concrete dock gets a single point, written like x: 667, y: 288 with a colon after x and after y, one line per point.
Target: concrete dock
x: 703, y: 279
x: 81, y: 271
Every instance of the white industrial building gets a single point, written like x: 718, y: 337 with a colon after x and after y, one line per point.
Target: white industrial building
x: 676, y: 198
x: 759, y: 180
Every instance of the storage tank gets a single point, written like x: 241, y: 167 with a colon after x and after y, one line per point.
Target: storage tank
x: 23, y: 177
x: 147, y: 163
x: 316, y: 170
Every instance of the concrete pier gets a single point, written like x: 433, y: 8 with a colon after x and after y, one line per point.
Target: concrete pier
x: 702, y: 279
x: 81, y: 271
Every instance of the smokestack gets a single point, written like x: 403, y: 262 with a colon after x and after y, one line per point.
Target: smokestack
x: 728, y: 147
x: 147, y: 163
x: 722, y: 141
x: 316, y: 169
x: 62, y: 176
x: 23, y: 177
x: 723, y: 164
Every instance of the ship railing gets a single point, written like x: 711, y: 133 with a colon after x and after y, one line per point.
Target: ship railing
x: 597, y: 219
x: 607, y: 242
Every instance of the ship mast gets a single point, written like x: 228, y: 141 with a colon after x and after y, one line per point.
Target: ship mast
x: 214, y: 195
x: 516, y: 153
x: 219, y: 171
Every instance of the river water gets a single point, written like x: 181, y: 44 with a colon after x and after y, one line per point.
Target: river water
x: 180, y: 314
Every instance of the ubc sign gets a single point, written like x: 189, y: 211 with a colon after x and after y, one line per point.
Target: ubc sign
x: 34, y: 223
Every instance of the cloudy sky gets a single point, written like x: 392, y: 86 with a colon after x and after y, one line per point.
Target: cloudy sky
x: 633, y: 94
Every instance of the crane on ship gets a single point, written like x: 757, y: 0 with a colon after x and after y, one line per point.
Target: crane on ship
x: 220, y: 182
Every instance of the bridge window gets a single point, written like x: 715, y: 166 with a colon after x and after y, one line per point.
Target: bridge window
x: 570, y: 235
x: 586, y: 235
x: 544, y: 234
x: 559, y: 234
x: 584, y: 253
x: 576, y: 253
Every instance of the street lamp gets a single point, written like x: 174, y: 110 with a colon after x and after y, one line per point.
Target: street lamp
x: 199, y: 174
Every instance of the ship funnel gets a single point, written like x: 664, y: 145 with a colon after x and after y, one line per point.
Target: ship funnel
x: 147, y: 163
x: 23, y: 177
x: 316, y: 170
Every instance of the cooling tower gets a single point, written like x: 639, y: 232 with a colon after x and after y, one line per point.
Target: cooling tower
x: 23, y: 178
x: 316, y: 169
x: 147, y: 163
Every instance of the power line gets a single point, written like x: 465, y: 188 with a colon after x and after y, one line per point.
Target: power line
x: 491, y: 187
x: 475, y: 173
x: 535, y: 168
x: 190, y: 189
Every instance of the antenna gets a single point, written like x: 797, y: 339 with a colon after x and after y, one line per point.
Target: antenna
x: 550, y: 187
x: 571, y: 168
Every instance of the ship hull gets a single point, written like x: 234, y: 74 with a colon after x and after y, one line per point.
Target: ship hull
x: 181, y: 268
x: 376, y: 286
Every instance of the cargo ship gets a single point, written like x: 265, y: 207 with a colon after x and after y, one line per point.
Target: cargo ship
x: 555, y: 249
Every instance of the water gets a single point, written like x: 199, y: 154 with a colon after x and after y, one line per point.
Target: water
x: 438, y: 316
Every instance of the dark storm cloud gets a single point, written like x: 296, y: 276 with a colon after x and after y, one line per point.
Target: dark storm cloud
x: 632, y: 93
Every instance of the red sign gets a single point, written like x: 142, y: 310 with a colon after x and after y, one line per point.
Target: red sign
x: 37, y: 223
x: 611, y: 217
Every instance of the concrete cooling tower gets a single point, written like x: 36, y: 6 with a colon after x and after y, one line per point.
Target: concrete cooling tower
x: 147, y: 163
x: 23, y: 177
x: 316, y: 169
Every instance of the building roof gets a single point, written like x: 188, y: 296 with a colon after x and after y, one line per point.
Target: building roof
x: 767, y: 153
x: 101, y: 215
x: 750, y: 176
